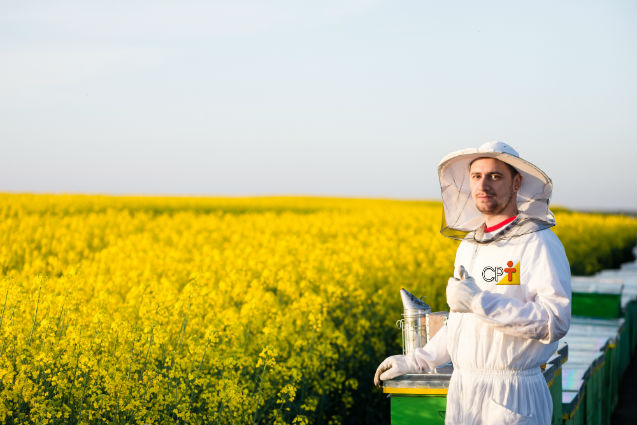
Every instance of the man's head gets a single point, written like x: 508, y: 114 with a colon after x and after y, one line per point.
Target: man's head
x: 501, y: 185
x: 494, y: 187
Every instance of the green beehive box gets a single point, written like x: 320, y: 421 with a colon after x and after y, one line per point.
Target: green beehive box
x: 407, y: 410
x: 571, y: 403
x: 596, y: 403
x: 592, y: 298
x: 628, y: 276
x: 605, y: 346
x: 574, y: 393
x: 419, y: 398
x: 614, y: 328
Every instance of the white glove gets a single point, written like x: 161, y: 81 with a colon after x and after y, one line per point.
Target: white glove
x: 395, y: 366
x: 461, y: 292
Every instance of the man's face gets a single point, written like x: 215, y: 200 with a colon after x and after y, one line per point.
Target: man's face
x: 493, y: 188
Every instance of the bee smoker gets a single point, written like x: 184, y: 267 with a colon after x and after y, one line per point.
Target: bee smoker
x: 418, y: 324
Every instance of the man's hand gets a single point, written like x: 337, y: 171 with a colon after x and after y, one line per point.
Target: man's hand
x: 461, y: 292
x: 395, y: 366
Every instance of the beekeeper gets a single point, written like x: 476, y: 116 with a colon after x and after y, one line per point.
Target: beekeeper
x: 510, y: 295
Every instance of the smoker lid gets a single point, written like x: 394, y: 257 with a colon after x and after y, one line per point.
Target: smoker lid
x: 410, y: 302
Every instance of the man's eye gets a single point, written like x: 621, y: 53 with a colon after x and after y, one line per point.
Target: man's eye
x: 495, y: 176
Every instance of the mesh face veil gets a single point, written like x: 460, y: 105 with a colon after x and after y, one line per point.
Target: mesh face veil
x: 462, y: 220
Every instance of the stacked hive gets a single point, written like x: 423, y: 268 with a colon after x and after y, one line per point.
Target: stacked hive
x: 601, y: 341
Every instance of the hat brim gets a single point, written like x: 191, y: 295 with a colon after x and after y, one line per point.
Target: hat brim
x: 469, y: 155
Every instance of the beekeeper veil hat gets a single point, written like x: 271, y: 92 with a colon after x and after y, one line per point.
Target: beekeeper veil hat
x: 461, y: 218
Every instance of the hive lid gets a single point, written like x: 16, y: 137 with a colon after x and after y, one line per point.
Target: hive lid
x: 410, y: 302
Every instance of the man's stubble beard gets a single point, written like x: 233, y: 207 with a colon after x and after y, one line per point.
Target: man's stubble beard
x: 495, y: 210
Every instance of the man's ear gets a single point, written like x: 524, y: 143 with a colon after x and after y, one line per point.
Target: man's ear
x: 517, y: 182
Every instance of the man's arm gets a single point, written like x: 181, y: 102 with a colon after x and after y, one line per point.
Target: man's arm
x: 547, y: 316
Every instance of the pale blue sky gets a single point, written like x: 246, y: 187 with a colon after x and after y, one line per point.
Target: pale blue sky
x: 351, y: 98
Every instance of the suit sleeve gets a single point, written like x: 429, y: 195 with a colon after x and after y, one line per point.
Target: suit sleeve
x: 546, y: 313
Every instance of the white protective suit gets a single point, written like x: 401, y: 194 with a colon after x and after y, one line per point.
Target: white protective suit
x: 498, y: 349
x: 520, y: 311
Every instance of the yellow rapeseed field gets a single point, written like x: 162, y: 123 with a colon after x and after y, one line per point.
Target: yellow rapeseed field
x: 221, y: 310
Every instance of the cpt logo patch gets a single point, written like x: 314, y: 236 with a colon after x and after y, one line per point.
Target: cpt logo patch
x: 502, y: 275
